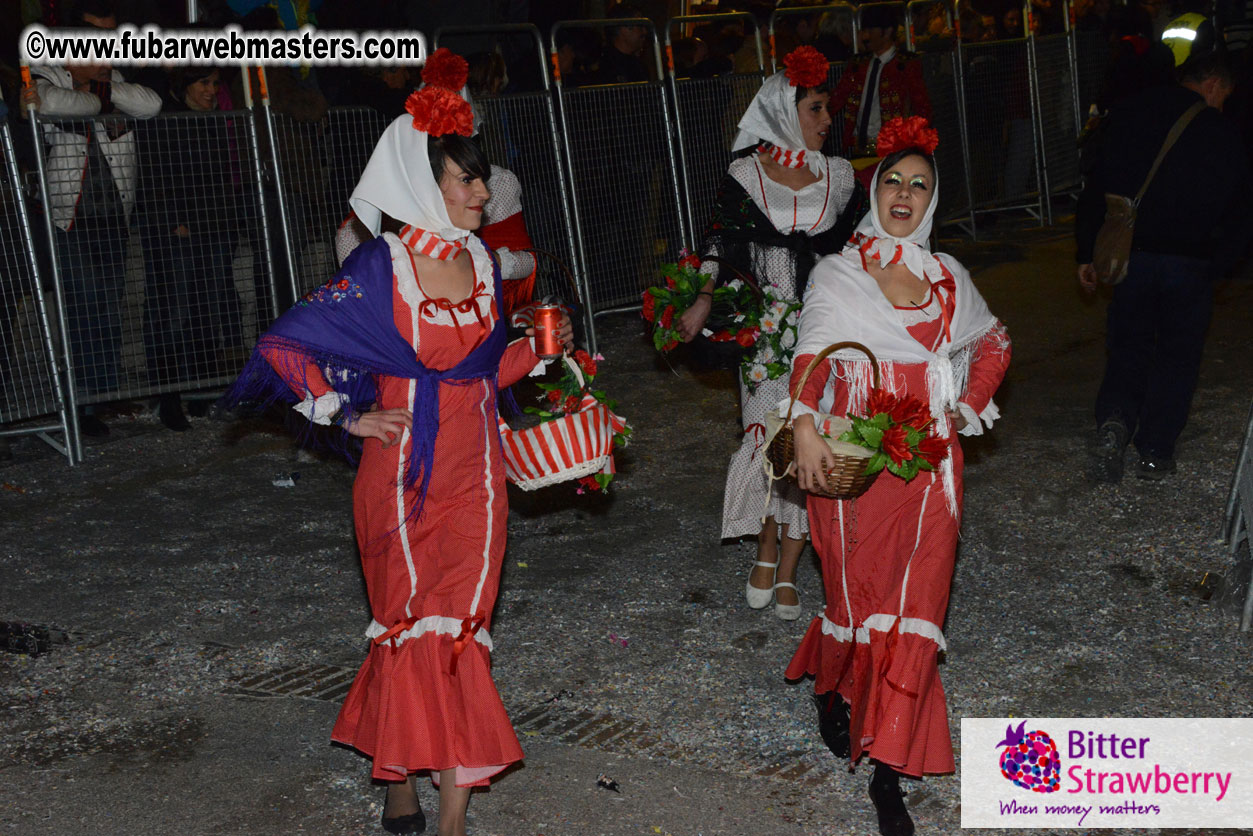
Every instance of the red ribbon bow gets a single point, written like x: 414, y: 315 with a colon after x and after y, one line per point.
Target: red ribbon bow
x: 469, y: 627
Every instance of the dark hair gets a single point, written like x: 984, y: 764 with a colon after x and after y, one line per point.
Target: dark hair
x: 877, y: 17
x: 1207, y: 65
x: 96, y: 8
x: 896, y: 156
x: 621, y: 11
x: 802, y: 92
x: 183, y: 77
x: 462, y: 151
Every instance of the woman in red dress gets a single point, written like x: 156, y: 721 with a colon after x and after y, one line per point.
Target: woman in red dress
x: 405, y: 348
x: 887, y: 556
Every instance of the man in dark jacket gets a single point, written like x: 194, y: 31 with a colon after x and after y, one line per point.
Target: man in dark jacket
x: 1192, y: 225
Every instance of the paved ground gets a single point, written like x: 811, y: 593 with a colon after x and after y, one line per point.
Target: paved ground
x: 208, y: 620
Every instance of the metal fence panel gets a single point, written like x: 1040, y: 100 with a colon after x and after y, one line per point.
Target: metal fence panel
x: 517, y: 132
x: 29, y: 382
x: 1053, y: 79
x: 318, y: 165
x: 1000, y: 125
x: 625, y: 187
x: 939, y: 74
x: 708, y: 110
x: 162, y: 290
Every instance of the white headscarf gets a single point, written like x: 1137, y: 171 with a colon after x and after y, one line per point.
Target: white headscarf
x: 915, y: 248
x: 772, y: 117
x: 398, y: 181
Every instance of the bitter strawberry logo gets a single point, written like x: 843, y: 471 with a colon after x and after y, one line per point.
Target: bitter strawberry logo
x: 1030, y: 759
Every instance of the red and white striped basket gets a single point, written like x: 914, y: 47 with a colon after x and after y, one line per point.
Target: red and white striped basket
x: 570, y: 447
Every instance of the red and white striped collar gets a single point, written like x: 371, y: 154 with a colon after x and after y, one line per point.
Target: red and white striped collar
x: 785, y: 157
x: 429, y: 244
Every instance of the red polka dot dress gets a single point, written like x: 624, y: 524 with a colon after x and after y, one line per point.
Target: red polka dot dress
x: 424, y: 699
x: 887, y: 563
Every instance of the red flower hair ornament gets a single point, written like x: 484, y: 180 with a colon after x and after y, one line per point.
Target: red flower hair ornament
x: 438, y: 108
x: 806, y: 67
x: 903, y: 132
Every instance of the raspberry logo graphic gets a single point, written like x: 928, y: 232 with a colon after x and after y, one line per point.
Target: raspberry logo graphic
x: 1030, y: 759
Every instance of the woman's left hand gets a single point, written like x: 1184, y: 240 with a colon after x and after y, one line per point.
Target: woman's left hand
x: 565, y: 332
x: 958, y: 420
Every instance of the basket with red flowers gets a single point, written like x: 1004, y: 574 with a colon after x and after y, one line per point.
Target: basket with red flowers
x: 893, y: 435
x: 576, y: 435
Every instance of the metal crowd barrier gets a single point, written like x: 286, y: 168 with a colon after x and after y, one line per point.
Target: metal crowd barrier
x: 520, y: 132
x: 1057, y: 99
x: 30, y: 387
x: 1239, y: 514
x: 706, y: 113
x: 1001, y: 126
x: 316, y: 166
x: 627, y: 205
x: 162, y: 284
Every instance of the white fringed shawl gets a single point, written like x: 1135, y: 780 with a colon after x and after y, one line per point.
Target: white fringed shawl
x: 844, y: 302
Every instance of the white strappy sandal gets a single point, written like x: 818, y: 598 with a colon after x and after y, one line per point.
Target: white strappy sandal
x: 788, y: 612
x: 758, y: 598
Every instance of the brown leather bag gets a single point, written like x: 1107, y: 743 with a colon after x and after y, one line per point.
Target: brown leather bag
x: 1113, y: 241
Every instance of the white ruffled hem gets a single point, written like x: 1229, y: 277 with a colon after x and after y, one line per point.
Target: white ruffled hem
x: 976, y: 421
x: 320, y: 409
x: 882, y: 622
x: 440, y: 624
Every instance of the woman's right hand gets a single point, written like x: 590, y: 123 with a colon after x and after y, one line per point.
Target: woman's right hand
x: 693, y: 319
x: 387, y: 425
x: 813, y: 457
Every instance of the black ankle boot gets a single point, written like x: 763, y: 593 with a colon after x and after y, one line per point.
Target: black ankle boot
x: 171, y: 412
x: 885, y: 793
x: 833, y: 722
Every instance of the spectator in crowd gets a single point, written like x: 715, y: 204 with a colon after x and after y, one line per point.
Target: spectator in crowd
x: 1137, y: 60
x: 1192, y: 225
x: 92, y: 171
x: 188, y: 209
x: 1092, y: 15
x: 620, y: 62
x: 298, y: 102
x: 835, y: 34
x: 578, y: 51
x: 1158, y: 13
x: 384, y: 88
x: 881, y: 86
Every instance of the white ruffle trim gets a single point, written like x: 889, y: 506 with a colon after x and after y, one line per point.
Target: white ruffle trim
x: 882, y: 622
x: 320, y: 409
x: 441, y: 624
x: 976, y: 421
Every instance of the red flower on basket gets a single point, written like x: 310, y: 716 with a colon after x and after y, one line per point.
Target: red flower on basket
x: 895, y: 428
x: 570, y: 396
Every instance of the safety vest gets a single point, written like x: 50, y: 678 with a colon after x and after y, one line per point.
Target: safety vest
x: 1180, y: 33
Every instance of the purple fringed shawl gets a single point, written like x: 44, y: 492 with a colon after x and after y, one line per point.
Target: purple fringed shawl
x: 346, y: 328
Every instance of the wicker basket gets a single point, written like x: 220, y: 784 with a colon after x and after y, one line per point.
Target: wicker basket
x: 848, y: 478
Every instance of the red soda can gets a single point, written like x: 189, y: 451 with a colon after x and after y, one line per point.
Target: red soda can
x: 547, y: 321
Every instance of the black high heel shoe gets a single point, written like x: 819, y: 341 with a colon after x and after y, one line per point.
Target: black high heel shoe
x: 412, y: 823
x: 885, y: 794
x: 833, y: 722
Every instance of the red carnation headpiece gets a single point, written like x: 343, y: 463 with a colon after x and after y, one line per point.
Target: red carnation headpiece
x: 906, y: 132
x: 806, y: 67
x: 438, y: 108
